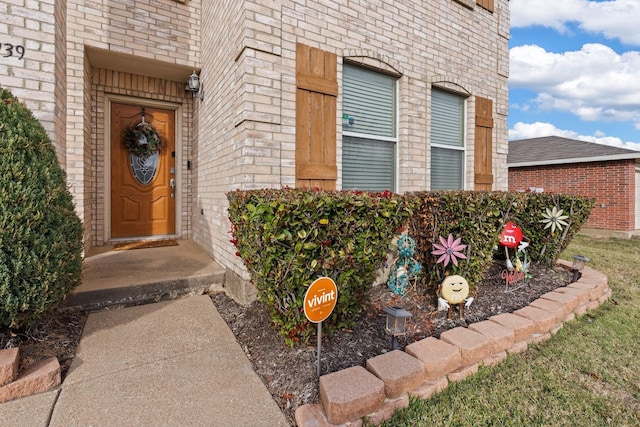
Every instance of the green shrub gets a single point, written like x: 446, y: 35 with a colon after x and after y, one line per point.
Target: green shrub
x: 288, y: 238
x: 40, y: 233
x: 478, y: 218
x: 545, y: 245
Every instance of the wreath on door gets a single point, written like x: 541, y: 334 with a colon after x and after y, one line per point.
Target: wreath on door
x: 142, y: 139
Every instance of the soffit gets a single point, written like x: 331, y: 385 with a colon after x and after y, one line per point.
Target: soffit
x: 115, y: 61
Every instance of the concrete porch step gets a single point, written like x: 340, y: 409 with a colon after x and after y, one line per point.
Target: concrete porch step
x: 141, y: 276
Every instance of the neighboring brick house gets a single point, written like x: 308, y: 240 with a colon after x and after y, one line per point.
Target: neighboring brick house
x: 402, y: 95
x: 559, y: 165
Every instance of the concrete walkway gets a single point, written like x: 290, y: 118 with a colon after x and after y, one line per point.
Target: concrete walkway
x: 170, y: 363
x: 173, y: 363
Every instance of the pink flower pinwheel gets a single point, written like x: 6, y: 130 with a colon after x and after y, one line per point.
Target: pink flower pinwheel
x: 449, y: 250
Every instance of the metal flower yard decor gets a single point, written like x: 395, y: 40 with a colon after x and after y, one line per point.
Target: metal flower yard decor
x: 449, y: 250
x: 554, y: 219
x: 454, y: 289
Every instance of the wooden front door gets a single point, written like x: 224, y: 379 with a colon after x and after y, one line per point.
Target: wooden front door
x: 142, y: 188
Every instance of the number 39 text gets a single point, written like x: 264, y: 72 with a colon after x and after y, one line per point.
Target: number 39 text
x: 8, y: 50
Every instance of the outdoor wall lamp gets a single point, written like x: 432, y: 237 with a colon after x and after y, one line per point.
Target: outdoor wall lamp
x: 578, y: 264
x: 396, y: 324
x: 193, y: 86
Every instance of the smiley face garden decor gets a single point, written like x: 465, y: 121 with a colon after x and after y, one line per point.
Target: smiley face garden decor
x: 454, y: 290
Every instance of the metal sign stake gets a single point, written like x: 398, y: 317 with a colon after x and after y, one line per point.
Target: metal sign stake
x: 319, y: 344
x: 319, y: 301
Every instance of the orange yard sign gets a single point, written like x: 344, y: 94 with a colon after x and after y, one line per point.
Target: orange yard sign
x: 320, y: 299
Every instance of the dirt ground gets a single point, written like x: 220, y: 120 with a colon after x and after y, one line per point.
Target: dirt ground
x: 290, y: 373
x: 57, y: 335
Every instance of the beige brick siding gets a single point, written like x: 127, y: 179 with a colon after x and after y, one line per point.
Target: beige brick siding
x: 38, y: 77
x: 162, y: 31
x: 249, y: 68
x: 242, y: 134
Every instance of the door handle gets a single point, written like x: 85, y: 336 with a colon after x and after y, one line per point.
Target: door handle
x: 172, y: 183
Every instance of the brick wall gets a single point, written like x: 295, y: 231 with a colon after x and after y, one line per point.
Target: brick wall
x: 247, y: 119
x: 243, y: 133
x: 31, y: 69
x: 53, y: 74
x: 164, y: 31
x: 611, y: 183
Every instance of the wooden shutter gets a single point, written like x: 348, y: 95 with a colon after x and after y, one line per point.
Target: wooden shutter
x: 486, y: 4
x: 316, y: 93
x: 483, y: 164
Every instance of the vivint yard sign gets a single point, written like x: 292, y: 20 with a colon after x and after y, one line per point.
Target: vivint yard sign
x: 319, y: 301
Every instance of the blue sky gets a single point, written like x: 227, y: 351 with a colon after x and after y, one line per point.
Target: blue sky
x: 575, y: 70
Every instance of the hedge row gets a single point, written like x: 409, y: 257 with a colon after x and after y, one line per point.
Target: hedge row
x: 287, y: 238
x: 479, y: 217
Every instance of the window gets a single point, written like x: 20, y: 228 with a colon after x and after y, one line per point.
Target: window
x: 368, y: 130
x: 447, y: 141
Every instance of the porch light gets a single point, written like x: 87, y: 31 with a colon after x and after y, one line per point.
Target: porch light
x: 396, y: 323
x: 193, y: 86
x: 578, y: 264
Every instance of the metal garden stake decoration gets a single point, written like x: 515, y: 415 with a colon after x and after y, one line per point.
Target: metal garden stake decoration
x: 454, y: 289
x: 516, y: 274
x: 405, y: 268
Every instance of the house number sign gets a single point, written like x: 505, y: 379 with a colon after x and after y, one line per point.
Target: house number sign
x: 8, y: 50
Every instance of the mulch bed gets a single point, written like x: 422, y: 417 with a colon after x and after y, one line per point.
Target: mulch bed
x: 56, y: 334
x: 290, y: 373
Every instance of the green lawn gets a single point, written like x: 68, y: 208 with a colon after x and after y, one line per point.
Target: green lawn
x: 588, y: 374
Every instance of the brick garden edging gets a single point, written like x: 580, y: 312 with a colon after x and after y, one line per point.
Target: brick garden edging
x: 353, y: 395
x: 41, y: 377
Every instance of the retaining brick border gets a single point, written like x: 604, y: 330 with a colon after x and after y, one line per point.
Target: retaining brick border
x: 354, y: 395
x: 41, y: 377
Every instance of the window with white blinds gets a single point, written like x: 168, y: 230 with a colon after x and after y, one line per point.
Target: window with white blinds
x: 368, y: 129
x: 447, y: 141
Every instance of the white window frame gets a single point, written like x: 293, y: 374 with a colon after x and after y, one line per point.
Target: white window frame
x: 373, y: 137
x: 462, y: 149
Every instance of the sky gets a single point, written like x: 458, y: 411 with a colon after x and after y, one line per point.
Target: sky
x: 575, y: 70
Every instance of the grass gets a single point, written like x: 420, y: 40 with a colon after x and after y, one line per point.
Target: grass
x: 588, y: 374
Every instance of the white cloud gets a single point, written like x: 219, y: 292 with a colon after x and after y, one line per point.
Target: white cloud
x: 538, y: 129
x: 594, y: 83
x: 616, y: 19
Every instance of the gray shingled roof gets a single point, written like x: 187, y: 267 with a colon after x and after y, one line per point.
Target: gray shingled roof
x: 551, y: 150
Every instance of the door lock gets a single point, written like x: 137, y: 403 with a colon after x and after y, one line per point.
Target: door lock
x: 172, y: 183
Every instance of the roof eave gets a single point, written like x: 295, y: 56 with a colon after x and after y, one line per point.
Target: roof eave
x: 631, y: 156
